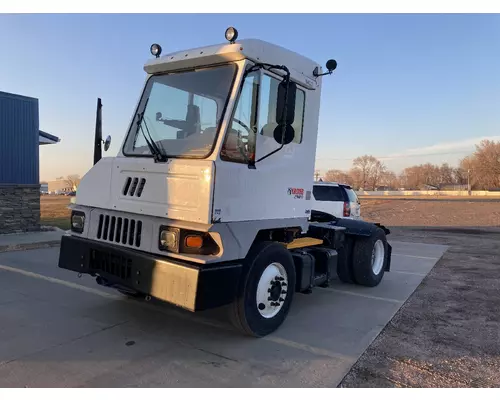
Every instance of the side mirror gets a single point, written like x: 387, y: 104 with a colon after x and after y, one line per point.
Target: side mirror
x: 159, y: 116
x: 290, y: 103
x: 331, y: 65
x: 285, y: 137
x: 107, y: 143
x: 284, y: 132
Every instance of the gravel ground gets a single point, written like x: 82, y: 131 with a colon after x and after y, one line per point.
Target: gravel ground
x: 431, y: 213
x: 448, y: 332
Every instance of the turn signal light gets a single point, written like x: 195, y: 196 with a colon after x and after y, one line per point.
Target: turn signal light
x: 195, y: 242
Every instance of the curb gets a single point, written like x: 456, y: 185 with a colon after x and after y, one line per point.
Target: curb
x: 30, y: 246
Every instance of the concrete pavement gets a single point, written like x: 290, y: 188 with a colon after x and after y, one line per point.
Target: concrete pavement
x: 30, y: 240
x: 58, y: 330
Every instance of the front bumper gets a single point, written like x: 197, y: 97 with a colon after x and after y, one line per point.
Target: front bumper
x: 190, y: 286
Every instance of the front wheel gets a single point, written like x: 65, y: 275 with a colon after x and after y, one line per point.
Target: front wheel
x: 266, y: 290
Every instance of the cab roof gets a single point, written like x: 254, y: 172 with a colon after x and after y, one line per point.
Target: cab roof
x: 253, y: 49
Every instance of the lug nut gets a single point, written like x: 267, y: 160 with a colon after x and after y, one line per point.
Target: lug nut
x: 268, y: 290
x: 283, y: 284
x: 262, y: 306
x: 283, y: 292
x: 282, y: 299
x: 269, y: 298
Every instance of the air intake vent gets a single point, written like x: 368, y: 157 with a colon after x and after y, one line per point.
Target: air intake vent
x: 119, y: 230
x: 133, y: 186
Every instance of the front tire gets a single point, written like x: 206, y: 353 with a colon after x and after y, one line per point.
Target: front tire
x: 266, y: 291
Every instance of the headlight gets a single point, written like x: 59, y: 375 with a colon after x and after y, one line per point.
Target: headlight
x: 169, y: 239
x: 77, y: 221
x: 185, y: 241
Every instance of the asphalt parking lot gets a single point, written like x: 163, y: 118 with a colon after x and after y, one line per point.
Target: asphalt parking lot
x: 58, y: 330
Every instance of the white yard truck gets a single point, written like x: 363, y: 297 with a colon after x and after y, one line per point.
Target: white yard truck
x: 208, y: 201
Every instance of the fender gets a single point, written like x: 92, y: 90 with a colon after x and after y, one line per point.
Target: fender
x: 363, y: 228
x: 352, y: 226
x: 360, y: 228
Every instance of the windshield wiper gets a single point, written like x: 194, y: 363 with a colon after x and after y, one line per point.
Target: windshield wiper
x: 158, y: 155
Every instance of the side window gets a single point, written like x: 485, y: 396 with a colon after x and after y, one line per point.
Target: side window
x: 240, y: 139
x: 267, y: 109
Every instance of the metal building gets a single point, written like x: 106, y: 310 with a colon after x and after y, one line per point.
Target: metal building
x: 20, y: 138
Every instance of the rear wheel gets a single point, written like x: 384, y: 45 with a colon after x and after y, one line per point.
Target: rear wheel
x: 266, y: 291
x: 370, y: 258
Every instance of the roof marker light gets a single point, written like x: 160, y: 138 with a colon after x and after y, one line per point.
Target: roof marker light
x: 156, y: 50
x: 231, y: 34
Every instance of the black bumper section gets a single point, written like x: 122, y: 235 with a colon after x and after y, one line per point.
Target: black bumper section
x: 194, y: 287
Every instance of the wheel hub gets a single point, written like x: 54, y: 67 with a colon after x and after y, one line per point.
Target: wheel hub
x: 275, y: 291
x: 272, y: 290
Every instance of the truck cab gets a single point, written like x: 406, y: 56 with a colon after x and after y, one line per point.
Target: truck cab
x: 208, y: 201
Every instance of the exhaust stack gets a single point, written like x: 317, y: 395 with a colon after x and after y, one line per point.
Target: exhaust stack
x: 98, y: 133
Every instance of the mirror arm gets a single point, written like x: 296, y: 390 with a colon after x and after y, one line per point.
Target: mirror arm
x: 270, y: 154
x: 316, y: 72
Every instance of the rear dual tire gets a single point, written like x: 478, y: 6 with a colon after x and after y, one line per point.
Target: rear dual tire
x: 369, y: 259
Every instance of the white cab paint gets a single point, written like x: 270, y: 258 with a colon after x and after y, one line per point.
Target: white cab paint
x: 178, y: 189
x: 210, y: 190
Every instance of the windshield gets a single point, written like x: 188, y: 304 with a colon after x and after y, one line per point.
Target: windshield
x: 183, y: 112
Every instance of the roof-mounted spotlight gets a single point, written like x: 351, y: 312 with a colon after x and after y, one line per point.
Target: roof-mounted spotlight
x: 330, y: 66
x: 231, y: 34
x: 156, y: 50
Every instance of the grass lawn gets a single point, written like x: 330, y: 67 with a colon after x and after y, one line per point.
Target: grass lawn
x: 62, y: 223
x: 54, y: 211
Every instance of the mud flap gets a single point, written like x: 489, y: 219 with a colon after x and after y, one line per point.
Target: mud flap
x: 389, y: 257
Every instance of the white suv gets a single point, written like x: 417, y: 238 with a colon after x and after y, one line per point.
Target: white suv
x: 336, y: 199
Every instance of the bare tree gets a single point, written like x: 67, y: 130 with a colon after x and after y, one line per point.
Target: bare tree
x: 355, y: 178
x: 370, y: 169
x: 377, y: 172
x: 389, y: 179
x: 446, y: 175
x: 73, y: 181
x: 483, y: 166
x: 336, y: 175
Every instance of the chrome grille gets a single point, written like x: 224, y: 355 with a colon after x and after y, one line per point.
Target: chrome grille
x: 119, y: 230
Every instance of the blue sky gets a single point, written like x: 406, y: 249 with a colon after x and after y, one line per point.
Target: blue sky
x: 406, y: 85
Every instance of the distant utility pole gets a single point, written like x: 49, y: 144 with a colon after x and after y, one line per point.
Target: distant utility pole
x: 468, y: 181
x: 316, y: 175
